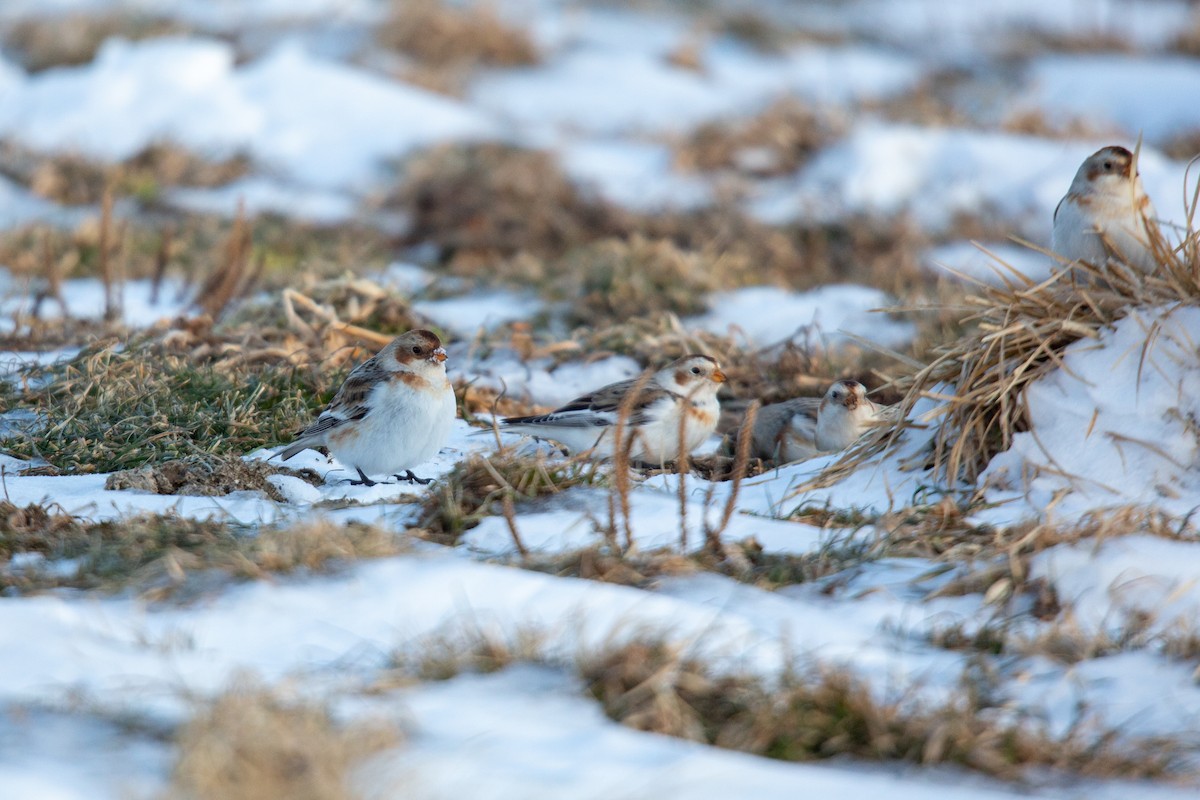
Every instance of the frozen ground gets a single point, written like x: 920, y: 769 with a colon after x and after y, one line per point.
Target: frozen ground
x: 1116, y: 426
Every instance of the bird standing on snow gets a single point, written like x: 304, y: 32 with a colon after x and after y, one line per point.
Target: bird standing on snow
x: 804, y: 427
x: 684, y: 391
x: 393, y: 412
x: 1106, y: 213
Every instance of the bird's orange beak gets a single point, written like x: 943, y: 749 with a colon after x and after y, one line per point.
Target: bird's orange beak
x: 718, y: 376
x: 438, y: 355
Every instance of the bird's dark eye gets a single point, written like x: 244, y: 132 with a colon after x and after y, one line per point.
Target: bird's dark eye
x: 417, y: 349
x: 695, y: 370
x: 1108, y: 165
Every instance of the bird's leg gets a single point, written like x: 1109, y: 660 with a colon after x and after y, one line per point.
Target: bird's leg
x: 409, y: 476
x: 364, y: 480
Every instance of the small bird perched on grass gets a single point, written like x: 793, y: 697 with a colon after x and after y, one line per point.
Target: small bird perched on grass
x: 804, y: 427
x: 393, y: 412
x: 1106, y: 213
x: 683, y: 392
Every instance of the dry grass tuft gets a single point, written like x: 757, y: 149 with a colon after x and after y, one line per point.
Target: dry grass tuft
x: 1018, y: 331
x: 486, y: 485
x: 613, y: 279
x: 777, y: 141
x: 474, y: 650
x: 652, y: 685
x: 116, y: 407
x: 205, y: 476
x: 442, y: 35
x: 480, y: 204
x: 250, y: 743
x: 73, y: 179
x: 161, y: 556
x: 54, y: 40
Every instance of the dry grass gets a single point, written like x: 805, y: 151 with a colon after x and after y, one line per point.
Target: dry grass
x: 479, y: 204
x: 487, y: 485
x: 616, y: 279
x: 59, y: 40
x: 1018, y: 332
x: 205, y: 476
x: 1184, y: 146
x: 73, y: 179
x: 777, y: 141
x: 653, y: 685
x: 251, y: 743
x: 117, y: 407
x: 161, y: 556
x: 438, y: 34
x: 1037, y: 41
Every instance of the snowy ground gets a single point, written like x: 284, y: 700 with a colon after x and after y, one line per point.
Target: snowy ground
x: 1116, y: 426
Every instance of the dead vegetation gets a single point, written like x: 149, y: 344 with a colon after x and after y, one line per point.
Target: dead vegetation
x: 62, y: 40
x: 814, y: 711
x: 164, y: 556
x: 479, y: 204
x: 115, y: 408
x: 653, y: 685
x: 251, y: 742
x: 777, y: 141
x: 486, y: 485
x: 73, y: 179
x: 205, y: 476
x: 442, y: 35
x: 1018, y: 330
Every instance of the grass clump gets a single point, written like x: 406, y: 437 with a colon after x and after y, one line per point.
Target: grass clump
x: 777, y: 141
x: 203, y: 476
x: 652, y: 685
x: 480, y: 204
x: 487, y: 485
x: 112, y: 408
x: 161, y: 555
x: 74, y: 179
x: 613, y: 279
x: 442, y: 35
x: 250, y: 742
x: 61, y: 40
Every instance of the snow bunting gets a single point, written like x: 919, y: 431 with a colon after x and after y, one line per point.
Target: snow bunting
x: 686, y: 387
x: 1106, y: 213
x: 804, y: 427
x: 393, y: 412
x: 846, y: 414
x: 785, y: 432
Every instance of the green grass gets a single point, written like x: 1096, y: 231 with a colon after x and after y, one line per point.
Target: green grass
x: 112, y: 408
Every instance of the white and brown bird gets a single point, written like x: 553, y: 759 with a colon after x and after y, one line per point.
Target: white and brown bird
x: 804, y: 427
x: 393, y: 413
x: 1106, y: 213
x: 680, y: 396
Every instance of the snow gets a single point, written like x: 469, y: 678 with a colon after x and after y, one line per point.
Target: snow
x: 259, y: 195
x: 766, y: 315
x: 604, y: 89
x: 934, y: 175
x: 635, y: 175
x: 467, y: 315
x: 959, y: 28
x: 1131, y: 577
x: 84, y: 298
x: 334, y: 134
x: 1112, y: 88
x: 497, y: 736
x: 1114, y: 427
x: 989, y: 262
x: 1093, y: 447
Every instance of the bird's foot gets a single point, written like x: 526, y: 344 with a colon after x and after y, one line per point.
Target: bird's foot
x: 362, y: 481
x: 411, y: 478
